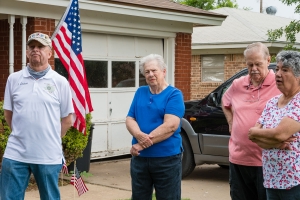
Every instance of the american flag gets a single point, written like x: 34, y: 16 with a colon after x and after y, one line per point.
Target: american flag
x: 78, y: 183
x: 66, y: 41
x: 64, y: 169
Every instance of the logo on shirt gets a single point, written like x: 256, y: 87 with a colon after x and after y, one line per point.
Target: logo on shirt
x: 49, y: 88
x: 22, y: 83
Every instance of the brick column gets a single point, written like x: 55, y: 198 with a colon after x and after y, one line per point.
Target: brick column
x: 183, y: 56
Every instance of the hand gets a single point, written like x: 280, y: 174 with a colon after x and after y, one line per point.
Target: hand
x: 251, y: 133
x: 286, y: 144
x: 135, y: 149
x: 145, y: 140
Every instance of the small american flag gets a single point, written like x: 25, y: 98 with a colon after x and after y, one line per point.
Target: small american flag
x: 66, y: 41
x: 78, y: 183
x: 64, y: 169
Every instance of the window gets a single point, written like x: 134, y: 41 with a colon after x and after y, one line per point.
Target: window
x: 96, y: 72
x: 123, y: 74
x: 212, y: 68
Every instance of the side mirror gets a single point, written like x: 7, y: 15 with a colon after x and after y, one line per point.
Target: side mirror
x: 212, y: 99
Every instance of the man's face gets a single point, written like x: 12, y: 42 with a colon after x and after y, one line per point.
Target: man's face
x: 257, y: 63
x: 38, y: 54
x: 155, y: 76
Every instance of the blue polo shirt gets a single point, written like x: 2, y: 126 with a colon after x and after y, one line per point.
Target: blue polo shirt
x: 149, y: 109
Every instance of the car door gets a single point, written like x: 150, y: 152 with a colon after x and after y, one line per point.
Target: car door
x: 213, y: 127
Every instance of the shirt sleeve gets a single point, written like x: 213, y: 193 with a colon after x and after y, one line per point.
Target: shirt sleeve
x: 131, y: 112
x: 66, y: 104
x: 227, y: 97
x: 175, y: 105
x: 8, y: 103
x: 294, y: 109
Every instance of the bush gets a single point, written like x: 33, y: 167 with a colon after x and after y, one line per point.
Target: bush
x: 4, y: 131
x: 75, y: 142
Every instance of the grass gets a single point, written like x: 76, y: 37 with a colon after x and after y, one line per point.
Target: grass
x: 154, y: 198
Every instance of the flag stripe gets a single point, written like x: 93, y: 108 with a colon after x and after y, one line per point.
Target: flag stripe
x: 78, y: 182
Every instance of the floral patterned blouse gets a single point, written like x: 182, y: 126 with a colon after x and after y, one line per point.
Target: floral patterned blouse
x: 281, y: 168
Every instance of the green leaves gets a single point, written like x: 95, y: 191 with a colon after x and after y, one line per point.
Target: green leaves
x: 74, y: 142
x: 289, y: 31
x: 4, y: 131
x: 209, y: 4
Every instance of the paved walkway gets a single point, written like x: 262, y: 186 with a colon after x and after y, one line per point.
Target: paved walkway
x: 110, y: 180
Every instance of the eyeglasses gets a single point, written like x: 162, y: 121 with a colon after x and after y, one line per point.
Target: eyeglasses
x: 251, y: 96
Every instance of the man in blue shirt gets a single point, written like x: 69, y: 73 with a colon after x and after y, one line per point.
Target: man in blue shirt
x: 154, y: 122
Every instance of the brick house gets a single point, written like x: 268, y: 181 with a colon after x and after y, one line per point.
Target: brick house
x: 217, y: 52
x: 115, y: 35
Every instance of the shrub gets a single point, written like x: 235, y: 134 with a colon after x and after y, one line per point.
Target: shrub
x: 4, y: 131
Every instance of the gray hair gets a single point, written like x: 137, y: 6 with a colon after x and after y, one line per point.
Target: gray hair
x: 255, y: 46
x: 290, y: 59
x: 149, y: 58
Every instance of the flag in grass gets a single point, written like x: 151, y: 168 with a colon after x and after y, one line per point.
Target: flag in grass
x: 78, y: 182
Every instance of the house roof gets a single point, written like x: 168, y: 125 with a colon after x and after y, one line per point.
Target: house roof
x: 241, y: 27
x: 164, y: 5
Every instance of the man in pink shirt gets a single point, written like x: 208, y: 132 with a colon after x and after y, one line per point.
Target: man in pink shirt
x: 243, y: 104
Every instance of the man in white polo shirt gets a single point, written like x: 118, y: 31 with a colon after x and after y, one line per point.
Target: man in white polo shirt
x: 38, y: 108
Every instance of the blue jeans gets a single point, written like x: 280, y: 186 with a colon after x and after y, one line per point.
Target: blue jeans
x: 246, y: 183
x: 163, y: 174
x: 15, y: 177
x: 282, y: 194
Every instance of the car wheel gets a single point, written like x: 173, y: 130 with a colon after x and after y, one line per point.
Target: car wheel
x: 188, y: 162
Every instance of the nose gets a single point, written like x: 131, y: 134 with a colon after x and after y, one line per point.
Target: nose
x: 278, y: 72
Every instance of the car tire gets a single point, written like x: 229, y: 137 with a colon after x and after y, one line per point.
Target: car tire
x: 188, y: 162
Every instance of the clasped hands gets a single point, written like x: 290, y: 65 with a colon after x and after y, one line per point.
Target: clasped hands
x: 144, y: 141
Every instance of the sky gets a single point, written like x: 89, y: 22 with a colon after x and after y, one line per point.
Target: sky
x: 282, y: 9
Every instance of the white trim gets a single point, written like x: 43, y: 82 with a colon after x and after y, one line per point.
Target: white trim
x: 198, y: 19
x: 24, y: 22
x: 11, y: 21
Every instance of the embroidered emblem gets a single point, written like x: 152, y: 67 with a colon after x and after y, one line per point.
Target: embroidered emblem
x: 49, y: 88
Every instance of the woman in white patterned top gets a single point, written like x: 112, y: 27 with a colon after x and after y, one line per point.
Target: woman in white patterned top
x: 277, y: 132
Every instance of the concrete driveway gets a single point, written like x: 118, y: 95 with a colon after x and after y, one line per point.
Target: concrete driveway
x: 110, y: 180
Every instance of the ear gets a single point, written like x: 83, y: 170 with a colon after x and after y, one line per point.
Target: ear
x: 27, y: 53
x: 49, y: 53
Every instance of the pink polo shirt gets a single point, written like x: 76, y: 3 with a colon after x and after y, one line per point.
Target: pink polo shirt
x: 247, y: 104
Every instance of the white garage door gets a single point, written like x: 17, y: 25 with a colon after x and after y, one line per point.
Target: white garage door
x: 111, y: 63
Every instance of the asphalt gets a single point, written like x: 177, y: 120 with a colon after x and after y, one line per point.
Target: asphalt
x: 110, y: 180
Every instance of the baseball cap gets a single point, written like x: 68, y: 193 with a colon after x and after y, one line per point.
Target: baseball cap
x: 41, y: 38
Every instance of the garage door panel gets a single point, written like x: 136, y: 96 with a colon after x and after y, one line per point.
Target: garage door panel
x: 120, y: 137
x: 94, y: 45
x: 99, y: 102
x: 121, y: 46
x: 100, y: 140
x: 146, y: 46
x: 120, y: 103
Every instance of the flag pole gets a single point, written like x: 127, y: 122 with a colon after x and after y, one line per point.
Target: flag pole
x: 74, y: 176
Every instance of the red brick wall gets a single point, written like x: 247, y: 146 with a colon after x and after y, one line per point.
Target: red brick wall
x: 183, y: 55
x: 33, y: 25
x: 4, y: 40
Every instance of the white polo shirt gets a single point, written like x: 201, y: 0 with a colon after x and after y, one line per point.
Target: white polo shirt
x: 37, y: 106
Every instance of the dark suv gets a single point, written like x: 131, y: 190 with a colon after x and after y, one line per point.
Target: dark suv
x: 204, y: 130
